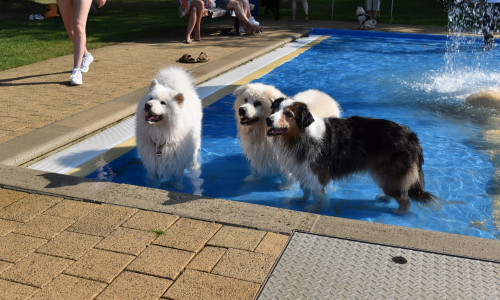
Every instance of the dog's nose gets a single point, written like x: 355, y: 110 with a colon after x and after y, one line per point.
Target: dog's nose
x: 242, y: 111
x: 269, y: 122
x: 148, y: 105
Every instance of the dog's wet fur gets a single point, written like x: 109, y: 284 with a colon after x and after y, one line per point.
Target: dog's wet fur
x: 317, y: 150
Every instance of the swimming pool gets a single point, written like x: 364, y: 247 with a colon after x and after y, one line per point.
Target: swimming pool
x: 384, y: 75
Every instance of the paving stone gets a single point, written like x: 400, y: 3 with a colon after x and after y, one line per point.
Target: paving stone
x: 161, y: 261
x: 7, y: 226
x: 100, y: 265
x: 129, y: 241
x: 15, y: 291
x: 28, y: 207
x: 148, y: 220
x: 244, y: 265
x: 71, y: 209
x: 44, y: 226
x: 272, y: 244
x: 194, y: 284
x: 206, y: 259
x: 36, y: 269
x: 102, y: 221
x: 13, y: 247
x: 5, y: 265
x: 188, y: 234
x: 7, y: 197
x: 65, y: 287
x: 130, y: 285
x: 237, y: 237
x: 70, y: 245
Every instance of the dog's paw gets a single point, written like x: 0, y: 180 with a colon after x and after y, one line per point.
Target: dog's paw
x: 285, y: 185
x: 178, y: 186
x: 251, y: 178
x: 195, y: 166
x: 315, y: 207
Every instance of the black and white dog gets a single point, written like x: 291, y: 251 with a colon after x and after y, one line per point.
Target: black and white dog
x: 364, y: 19
x: 316, y: 150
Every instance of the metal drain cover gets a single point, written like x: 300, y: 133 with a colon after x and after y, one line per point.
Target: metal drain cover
x: 320, y: 267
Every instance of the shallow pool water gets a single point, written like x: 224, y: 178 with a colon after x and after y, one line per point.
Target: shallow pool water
x: 381, y: 75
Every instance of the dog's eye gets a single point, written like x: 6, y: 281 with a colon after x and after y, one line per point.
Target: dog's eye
x: 257, y: 103
x: 150, y: 98
x: 246, y: 100
x: 163, y: 102
x: 288, y: 114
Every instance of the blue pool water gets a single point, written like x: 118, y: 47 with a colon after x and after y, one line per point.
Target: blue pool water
x: 382, y: 75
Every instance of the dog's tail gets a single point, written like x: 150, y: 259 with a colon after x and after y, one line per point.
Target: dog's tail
x: 418, y: 193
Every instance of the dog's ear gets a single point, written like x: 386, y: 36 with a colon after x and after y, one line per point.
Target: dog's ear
x: 276, y: 104
x: 239, y: 90
x: 153, y: 83
x: 179, y: 98
x: 303, y: 116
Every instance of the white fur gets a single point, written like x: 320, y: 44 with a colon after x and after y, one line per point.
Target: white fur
x: 254, y: 141
x: 178, y: 135
x: 320, y: 103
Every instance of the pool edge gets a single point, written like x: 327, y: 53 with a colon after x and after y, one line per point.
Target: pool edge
x: 243, y: 214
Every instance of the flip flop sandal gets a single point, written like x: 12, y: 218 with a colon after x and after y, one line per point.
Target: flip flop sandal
x: 203, y: 57
x: 187, y: 58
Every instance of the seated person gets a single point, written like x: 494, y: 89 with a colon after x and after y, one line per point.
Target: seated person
x: 196, y: 10
x: 241, y: 9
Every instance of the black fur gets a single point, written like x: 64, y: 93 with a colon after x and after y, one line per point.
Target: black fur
x: 387, y: 150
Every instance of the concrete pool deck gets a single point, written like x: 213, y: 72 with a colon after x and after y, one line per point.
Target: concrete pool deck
x: 64, y: 237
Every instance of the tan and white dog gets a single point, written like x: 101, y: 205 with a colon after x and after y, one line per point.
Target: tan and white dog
x: 252, y: 106
x: 168, y: 126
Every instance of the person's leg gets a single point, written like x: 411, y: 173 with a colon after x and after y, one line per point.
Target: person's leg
x: 305, y: 6
x: 294, y: 9
x: 80, y: 14
x: 66, y: 10
x: 200, y: 7
x: 237, y: 7
x: 191, y: 23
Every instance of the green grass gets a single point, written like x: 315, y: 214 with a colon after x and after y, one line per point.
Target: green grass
x: 24, y: 42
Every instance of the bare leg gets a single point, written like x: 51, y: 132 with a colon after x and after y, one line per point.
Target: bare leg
x: 74, y: 14
x: 199, y: 14
x: 241, y: 14
x: 305, y: 6
x: 191, y: 23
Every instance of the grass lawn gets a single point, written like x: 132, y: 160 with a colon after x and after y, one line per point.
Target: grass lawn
x: 24, y: 42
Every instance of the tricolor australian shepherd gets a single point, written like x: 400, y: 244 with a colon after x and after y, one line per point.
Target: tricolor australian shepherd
x: 316, y: 150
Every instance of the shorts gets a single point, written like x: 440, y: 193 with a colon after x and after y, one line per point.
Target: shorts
x: 372, y: 5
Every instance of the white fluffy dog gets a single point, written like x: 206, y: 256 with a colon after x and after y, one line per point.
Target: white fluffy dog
x: 364, y: 19
x: 252, y: 106
x: 168, y: 126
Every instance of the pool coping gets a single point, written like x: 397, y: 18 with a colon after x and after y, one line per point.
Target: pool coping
x: 244, y: 214
x: 14, y: 176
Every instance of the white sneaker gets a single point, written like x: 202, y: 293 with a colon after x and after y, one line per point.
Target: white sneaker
x: 253, y: 21
x: 87, y: 59
x: 76, y: 77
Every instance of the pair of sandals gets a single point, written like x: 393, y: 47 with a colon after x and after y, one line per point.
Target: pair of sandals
x: 188, y: 59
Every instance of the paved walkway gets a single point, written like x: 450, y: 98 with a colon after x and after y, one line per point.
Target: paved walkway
x: 63, y: 237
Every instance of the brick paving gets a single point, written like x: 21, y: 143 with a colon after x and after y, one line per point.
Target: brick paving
x: 67, y: 249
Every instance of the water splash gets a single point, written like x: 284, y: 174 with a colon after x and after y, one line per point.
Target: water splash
x: 467, y: 68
